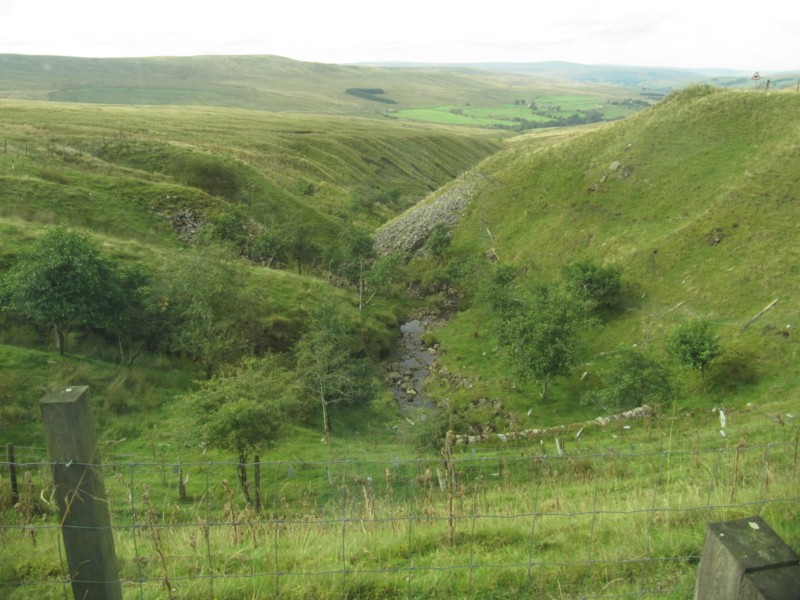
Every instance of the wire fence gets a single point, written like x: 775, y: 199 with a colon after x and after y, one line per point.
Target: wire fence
x: 594, y: 525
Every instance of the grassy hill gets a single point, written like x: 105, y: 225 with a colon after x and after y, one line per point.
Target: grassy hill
x: 695, y: 201
x: 137, y: 164
x: 142, y: 181
x: 274, y: 83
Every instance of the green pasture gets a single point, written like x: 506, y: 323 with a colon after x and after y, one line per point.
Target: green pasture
x: 508, y: 115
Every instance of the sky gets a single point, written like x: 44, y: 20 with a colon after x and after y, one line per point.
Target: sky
x: 763, y: 35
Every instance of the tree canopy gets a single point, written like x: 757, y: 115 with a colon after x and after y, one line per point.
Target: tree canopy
x: 695, y: 346
x: 63, y: 281
x: 210, y: 317
x: 543, y: 334
x: 633, y: 380
x: 325, y: 364
x: 246, y: 407
x: 601, y: 286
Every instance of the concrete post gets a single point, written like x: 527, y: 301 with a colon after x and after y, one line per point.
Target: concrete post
x: 746, y: 560
x: 80, y: 494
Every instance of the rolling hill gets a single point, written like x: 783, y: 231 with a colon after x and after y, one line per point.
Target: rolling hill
x: 694, y: 200
x: 274, y: 83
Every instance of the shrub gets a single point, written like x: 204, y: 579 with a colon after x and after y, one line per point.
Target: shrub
x: 635, y: 379
x: 210, y: 174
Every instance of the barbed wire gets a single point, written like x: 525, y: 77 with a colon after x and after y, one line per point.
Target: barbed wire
x: 339, y: 502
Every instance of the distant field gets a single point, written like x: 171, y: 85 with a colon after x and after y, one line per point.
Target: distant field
x: 569, y: 103
x: 524, y: 114
x: 451, y: 116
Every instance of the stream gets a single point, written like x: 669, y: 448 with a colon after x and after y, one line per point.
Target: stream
x: 407, y: 375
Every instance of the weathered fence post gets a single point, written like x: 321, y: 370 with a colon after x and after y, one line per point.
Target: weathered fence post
x: 80, y: 494
x: 12, y: 473
x: 257, y: 466
x: 746, y: 560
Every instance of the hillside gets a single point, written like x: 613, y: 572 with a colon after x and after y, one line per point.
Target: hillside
x: 143, y: 183
x: 273, y: 83
x: 142, y: 167
x: 694, y: 201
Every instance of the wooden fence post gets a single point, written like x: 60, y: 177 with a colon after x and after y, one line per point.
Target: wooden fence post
x: 12, y: 473
x: 746, y: 560
x: 257, y: 466
x: 80, y: 494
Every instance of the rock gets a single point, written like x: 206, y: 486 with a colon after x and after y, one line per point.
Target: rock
x: 408, y: 232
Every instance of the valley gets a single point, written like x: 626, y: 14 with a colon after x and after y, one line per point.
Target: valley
x: 270, y: 249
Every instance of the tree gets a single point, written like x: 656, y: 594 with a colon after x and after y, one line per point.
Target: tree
x: 634, y: 379
x: 326, y: 366
x: 599, y: 285
x: 269, y: 247
x: 244, y: 408
x: 206, y: 303
x: 356, y: 257
x: 299, y: 243
x: 385, y: 272
x: 543, y: 335
x: 65, y: 282
x: 132, y: 316
x: 694, y: 346
x: 230, y: 225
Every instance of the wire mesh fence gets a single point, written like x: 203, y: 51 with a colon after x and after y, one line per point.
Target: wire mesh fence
x: 595, y: 525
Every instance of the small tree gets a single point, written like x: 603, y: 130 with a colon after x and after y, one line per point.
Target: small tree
x: 205, y: 301
x: 326, y: 366
x: 634, y: 379
x: 599, y: 285
x: 65, y: 282
x: 269, y: 247
x: 694, y: 346
x: 355, y: 260
x: 230, y: 226
x: 132, y: 317
x: 385, y: 273
x: 299, y: 243
x: 543, y: 335
x: 245, y: 408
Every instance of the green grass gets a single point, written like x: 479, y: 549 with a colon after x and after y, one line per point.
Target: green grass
x: 507, y: 115
x: 448, y: 115
x: 625, y: 513
x: 121, y: 169
x: 617, y: 516
x: 686, y: 168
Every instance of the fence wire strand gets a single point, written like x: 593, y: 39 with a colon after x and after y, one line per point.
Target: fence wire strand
x: 515, y: 516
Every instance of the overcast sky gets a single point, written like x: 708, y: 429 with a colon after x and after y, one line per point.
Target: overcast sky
x: 763, y: 35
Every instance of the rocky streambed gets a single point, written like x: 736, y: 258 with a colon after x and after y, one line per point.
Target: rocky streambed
x: 415, y: 358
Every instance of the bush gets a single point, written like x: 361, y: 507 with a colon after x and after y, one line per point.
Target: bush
x: 599, y: 285
x: 210, y: 174
x: 635, y: 379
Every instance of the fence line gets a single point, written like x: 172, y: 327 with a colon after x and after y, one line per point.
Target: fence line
x: 600, y: 525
